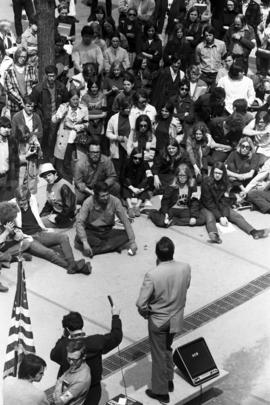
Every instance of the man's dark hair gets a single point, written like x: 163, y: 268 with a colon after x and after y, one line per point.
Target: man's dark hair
x: 87, y: 31
x: 28, y: 100
x: 51, y: 69
x: 210, y: 29
x: 165, y: 249
x: 75, y: 345
x: 95, y: 143
x: 240, y: 105
x: 73, y: 321
x: 100, y: 187
x: 235, y: 69
x: 30, y: 365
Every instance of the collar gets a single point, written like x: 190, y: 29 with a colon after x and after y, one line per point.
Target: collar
x: 77, y: 334
x: 210, y: 46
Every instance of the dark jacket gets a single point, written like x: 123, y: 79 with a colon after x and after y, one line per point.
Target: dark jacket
x: 253, y: 14
x: 42, y: 98
x: 96, y: 346
x: 164, y: 87
x: 184, y: 108
x: 14, y: 163
x: 170, y: 198
x: 213, y: 198
x: 155, y: 49
x: 165, y: 165
x: 177, y: 11
x: 181, y: 48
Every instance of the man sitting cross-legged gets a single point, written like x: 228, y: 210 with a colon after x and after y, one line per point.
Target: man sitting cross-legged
x: 43, y: 240
x: 95, y: 221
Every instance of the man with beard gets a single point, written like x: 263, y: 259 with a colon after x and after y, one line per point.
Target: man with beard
x: 95, y: 221
x: 95, y: 167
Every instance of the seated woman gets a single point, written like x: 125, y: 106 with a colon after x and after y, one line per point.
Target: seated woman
x: 137, y: 180
x: 165, y: 164
x: 198, y: 149
x: 242, y: 164
x: 95, y: 101
x: 167, y: 127
x: 180, y: 204
x: 257, y: 191
x: 215, y: 199
x: 143, y: 138
x: 60, y: 208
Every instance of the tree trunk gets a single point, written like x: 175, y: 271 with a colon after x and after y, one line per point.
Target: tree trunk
x: 45, y: 10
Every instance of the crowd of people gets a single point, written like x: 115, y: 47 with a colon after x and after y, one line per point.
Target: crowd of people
x: 165, y: 99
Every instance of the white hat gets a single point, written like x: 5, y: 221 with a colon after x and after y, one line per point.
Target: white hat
x: 46, y: 168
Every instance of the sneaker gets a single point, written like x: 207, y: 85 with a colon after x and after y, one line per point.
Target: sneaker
x: 131, y: 213
x: 137, y: 211
x: 259, y: 233
x: 80, y: 264
x: 3, y: 288
x: 214, y: 237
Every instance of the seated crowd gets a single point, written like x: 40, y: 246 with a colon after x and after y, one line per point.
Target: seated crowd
x: 164, y: 104
x: 166, y: 101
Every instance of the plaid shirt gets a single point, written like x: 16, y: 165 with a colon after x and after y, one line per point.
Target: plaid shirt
x: 14, y: 96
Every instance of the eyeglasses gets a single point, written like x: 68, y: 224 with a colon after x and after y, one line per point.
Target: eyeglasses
x: 184, y: 88
x: 132, y: 14
x: 143, y: 125
x: 245, y: 147
x: 94, y: 153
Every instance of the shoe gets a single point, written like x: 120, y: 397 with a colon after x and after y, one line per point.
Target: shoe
x: 160, y: 397
x: 131, y: 213
x: 214, y: 237
x: 259, y: 233
x: 80, y: 264
x: 170, y: 386
x: 87, y: 269
x: 3, y: 288
x: 137, y: 211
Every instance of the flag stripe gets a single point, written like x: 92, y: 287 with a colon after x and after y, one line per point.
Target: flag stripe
x: 20, y: 339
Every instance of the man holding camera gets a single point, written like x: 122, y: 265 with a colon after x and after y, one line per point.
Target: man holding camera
x: 72, y: 387
x: 96, y: 346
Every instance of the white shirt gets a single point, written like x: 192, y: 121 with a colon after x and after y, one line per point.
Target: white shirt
x: 235, y: 89
x: 135, y: 112
x: 4, y: 157
x: 28, y: 121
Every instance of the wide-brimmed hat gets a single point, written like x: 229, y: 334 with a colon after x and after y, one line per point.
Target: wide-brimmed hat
x: 46, y: 168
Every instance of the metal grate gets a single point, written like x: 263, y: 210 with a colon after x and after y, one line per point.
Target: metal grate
x: 193, y: 321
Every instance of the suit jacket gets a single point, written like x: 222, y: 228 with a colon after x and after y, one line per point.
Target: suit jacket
x: 163, y: 294
x: 18, y: 121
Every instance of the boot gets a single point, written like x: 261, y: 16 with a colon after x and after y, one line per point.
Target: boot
x: 75, y: 266
x: 214, y: 237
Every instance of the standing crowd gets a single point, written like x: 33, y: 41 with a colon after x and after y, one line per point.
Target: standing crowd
x: 164, y: 100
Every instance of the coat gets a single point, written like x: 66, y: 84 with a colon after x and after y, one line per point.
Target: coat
x: 163, y: 294
x: 213, y: 198
x: 18, y: 121
x: 177, y: 11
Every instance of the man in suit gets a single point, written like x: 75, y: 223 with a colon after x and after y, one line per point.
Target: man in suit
x: 162, y: 300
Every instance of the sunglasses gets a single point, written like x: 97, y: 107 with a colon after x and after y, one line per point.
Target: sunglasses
x: 245, y: 147
x: 143, y: 125
x: 132, y: 14
x: 184, y: 88
x: 136, y: 158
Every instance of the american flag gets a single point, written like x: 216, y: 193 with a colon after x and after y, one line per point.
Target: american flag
x: 20, y: 337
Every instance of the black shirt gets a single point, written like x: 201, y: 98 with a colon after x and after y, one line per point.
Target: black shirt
x: 29, y: 222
